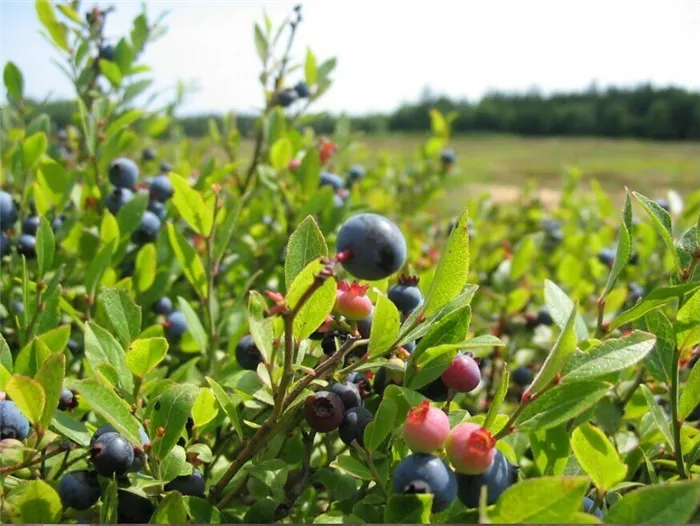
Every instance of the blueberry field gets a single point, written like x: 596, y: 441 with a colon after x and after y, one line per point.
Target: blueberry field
x: 297, y: 327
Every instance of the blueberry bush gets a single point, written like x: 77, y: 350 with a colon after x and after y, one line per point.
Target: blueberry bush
x: 195, y: 334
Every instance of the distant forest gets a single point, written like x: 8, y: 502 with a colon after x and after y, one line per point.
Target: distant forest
x: 639, y: 112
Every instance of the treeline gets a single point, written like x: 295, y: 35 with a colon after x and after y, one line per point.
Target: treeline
x: 639, y: 112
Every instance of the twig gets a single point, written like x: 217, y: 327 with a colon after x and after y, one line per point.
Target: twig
x: 367, y: 457
x: 601, y: 312
x: 677, y: 450
x: 509, y: 427
x: 34, y: 460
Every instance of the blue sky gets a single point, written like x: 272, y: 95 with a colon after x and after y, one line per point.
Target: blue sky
x: 388, y: 50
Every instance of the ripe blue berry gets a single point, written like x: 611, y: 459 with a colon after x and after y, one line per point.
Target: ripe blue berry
x: 190, y: 485
x: 79, y: 490
x: 663, y: 203
x: 436, y: 390
x: 497, y: 479
x: 31, y: 225
x: 364, y: 326
x: 107, y: 52
x: 163, y: 306
x: 161, y: 188
x: 637, y: 292
x: 410, y: 347
x: 147, y: 231
x: 406, y: 295
x: 448, y: 156
x: 357, y: 172
x: 522, y: 376
x: 424, y: 473
x: 590, y: 507
x: 74, y: 346
x: 175, y: 324
x: 362, y: 383
x: 157, y: 208
x: 247, y: 354
x: 544, y: 317
x: 112, y: 454
x: 166, y: 167
x: 13, y: 423
x: 328, y: 344
x: 371, y: 247
x: 108, y: 428
x: 67, y: 400
x: 4, y: 244
x: 348, y: 393
x: 133, y: 509
x: 123, y: 173
x: 324, y: 411
x: 353, y: 425
x: 26, y: 246
x: 117, y: 199
x: 606, y: 256
x: 329, y: 179
x: 386, y: 376
x: 58, y: 223
x: 338, y: 201
x: 148, y: 154
x: 302, y: 89
x: 8, y: 211
x: 286, y: 98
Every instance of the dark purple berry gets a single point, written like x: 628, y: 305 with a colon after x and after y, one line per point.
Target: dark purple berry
x: 247, y: 354
x: 324, y: 411
x: 190, y: 485
x: 353, y: 425
x: 67, y: 401
x: 79, y: 490
x: 133, y: 509
x: 348, y: 393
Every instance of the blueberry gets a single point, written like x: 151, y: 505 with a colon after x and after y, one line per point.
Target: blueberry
x: 364, y: 326
x: 175, y: 325
x: 324, y: 411
x: 57, y: 223
x: 107, y: 52
x: 448, y: 156
x: 348, y: 393
x: 497, y: 479
x: 26, y: 246
x: 161, y: 188
x: 634, y: 258
x: 8, y: 211
x: 353, y: 425
x: 425, y: 473
x: 30, y: 226
x: 148, y: 154
x: 362, y: 383
x: 522, y: 376
x: 302, y: 89
x: 544, y: 317
x: 436, y: 390
x: 286, y: 98
x: 166, y: 167
x: 158, y: 209
x: 112, y: 454
x: 694, y: 414
x: 147, y: 231
x: 637, y: 292
x: 13, y: 423
x: 338, y: 201
x: 4, y: 244
x: 330, y: 179
x: 357, y: 172
x: 410, y: 346
x: 328, y: 343
x: 79, y: 490
x: 74, y: 346
x: 17, y: 307
x: 133, y: 509
x: 406, y: 295
x: 62, y: 135
x: 606, y: 256
x: 67, y: 400
x: 117, y: 199
x: 163, y: 306
x: 123, y: 173
x: 590, y: 507
x: 663, y: 203
x: 386, y: 376
x: 192, y: 485
x: 247, y: 354
x: 371, y: 247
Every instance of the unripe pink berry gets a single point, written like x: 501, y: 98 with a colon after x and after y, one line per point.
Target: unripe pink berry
x: 294, y: 164
x: 352, y: 302
x: 470, y: 448
x: 426, y: 428
x: 463, y: 374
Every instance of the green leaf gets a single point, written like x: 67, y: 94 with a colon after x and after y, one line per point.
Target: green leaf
x: 190, y: 205
x: 261, y: 44
x: 386, y: 322
x: 171, y: 510
x: 654, y: 300
x: 101, y: 347
x: 658, y: 416
x: 498, y: 398
x: 452, y: 270
x: 58, y: 31
x: 108, y: 510
x: 146, y: 267
x: 170, y: 410
x: 690, y: 395
x: 54, y: 181
x: 310, y: 68
x: 659, y: 361
x: 624, y: 246
x: 201, y: 512
x: 610, y: 356
x: 551, y: 450
x: 70, y: 428
x: 175, y: 465
x: 687, y: 324
x: 33, y: 147
x: 145, y: 354
x: 31, y: 357
x: 110, y: 406
x: 408, y: 509
x: 563, y: 348
x: 431, y: 364
x: 540, y: 501
x: 50, y: 377
x: 205, y: 408
x: 129, y: 216
x: 111, y: 72
x: 29, y: 396
x: 5, y: 354
x: 352, y: 466
x: 560, y: 404
x: 305, y: 245
x: 122, y: 122
x: 97, y: 268
x: 560, y: 307
x: 109, y: 228
x: 382, y: 425
x: 189, y: 260
x: 281, y: 153
x: 45, y: 247
x: 227, y: 404
x: 194, y: 326
x: 261, y: 326
x: 658, y: 504
x: 123, y: 314
x: 314, y: 312
x: 14, y: 82
x: 310, y: 172
x: 597, y: 456
x: 336, y: 517
x: 661, y: 220
x: 34, y: 502
x: 523, y: 258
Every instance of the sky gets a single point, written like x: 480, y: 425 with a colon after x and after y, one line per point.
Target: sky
x: 389, y: 50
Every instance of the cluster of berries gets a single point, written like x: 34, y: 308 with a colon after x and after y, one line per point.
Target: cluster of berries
x: 175, y: 324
